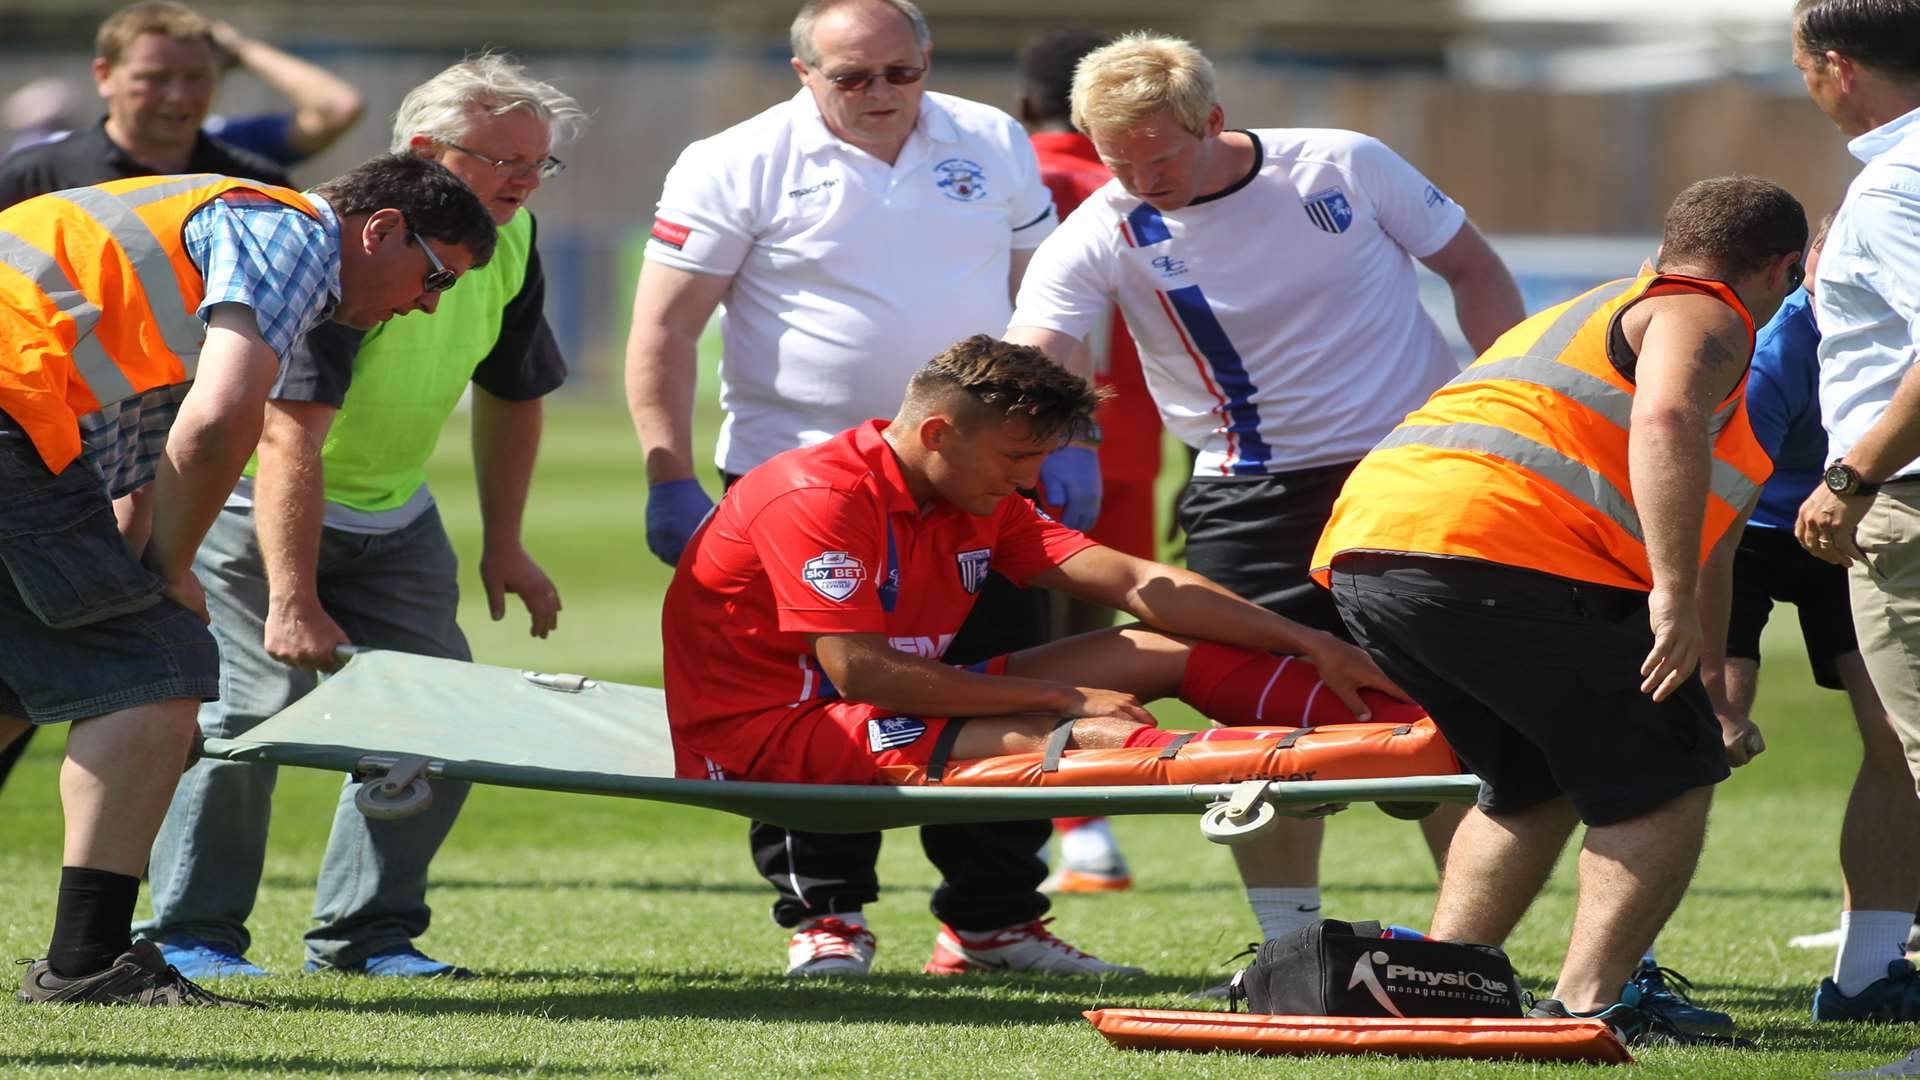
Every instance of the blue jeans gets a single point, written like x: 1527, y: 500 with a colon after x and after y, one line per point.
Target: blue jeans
x: 395, y: 591
x: 84, y: 630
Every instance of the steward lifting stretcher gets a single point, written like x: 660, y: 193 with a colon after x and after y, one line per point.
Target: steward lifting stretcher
x: 398, y: 721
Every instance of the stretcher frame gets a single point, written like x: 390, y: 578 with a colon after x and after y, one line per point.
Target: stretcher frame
x: 398, y: 778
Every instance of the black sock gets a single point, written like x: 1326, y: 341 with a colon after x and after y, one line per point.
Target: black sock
x: 92, y: 922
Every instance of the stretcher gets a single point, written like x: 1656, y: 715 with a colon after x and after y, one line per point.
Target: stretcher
x: 399, y: 721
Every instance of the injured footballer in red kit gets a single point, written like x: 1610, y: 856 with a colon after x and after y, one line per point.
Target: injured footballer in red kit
x: 806, y: 620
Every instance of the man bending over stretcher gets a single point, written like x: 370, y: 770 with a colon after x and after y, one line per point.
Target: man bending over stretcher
x: 804, y: 629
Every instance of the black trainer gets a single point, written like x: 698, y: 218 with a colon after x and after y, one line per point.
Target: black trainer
x: 1892, y: 1000
x: 1224, y: 991
x: 140, y: 976
x: 1667, y: 993
x: 1637, y: 1022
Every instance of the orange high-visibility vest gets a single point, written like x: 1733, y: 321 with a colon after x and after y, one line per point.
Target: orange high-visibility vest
x: 98, y: 300
x: 1521, y: 460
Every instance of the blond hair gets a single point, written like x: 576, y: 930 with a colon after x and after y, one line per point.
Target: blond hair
x: 1119, y: 86
x: 176, y: 21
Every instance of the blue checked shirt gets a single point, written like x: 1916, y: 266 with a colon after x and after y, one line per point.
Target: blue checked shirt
x: 252, y: 250
x: 274, y: 259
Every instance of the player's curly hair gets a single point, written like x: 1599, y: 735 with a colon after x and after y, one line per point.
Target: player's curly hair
x: 436, y: 203
x: 1008, y: 382
x: 1734, y: 224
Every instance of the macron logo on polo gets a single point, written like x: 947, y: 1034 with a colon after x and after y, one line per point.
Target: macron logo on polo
x: 834, y: 574
x: 670, y: 234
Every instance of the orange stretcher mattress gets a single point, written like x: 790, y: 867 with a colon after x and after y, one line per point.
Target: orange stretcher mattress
x: 1328, y: 752
x: 1544, y: 1040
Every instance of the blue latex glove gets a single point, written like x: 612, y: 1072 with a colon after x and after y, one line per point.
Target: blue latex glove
x: 1071, y: 476
x: 674, y: 510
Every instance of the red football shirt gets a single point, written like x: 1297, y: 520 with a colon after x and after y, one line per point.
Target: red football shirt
x: 1130, y: 453
x: 825, y: 539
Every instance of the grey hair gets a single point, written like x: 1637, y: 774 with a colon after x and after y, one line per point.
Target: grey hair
x: 442, y: 107
x: 800, y: 35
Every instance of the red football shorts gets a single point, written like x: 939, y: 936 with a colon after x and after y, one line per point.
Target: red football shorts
x: 832, y: 742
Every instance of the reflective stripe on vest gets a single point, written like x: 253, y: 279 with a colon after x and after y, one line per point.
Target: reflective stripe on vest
x: 1522, y: 458
x: 179, y: 327
x: 101, y: 330
x: 89, y: 356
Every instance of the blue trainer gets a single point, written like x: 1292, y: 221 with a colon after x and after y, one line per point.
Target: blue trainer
x: 1664, y: 992
x: 198, y: 959
x: 1637, y: 1022
x: 1892, y: 1000
x: 405, y: 962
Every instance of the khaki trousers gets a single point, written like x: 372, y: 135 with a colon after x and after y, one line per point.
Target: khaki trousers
x: 1885, y: 590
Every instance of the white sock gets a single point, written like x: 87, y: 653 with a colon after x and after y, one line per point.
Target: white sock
x: 1869, y: 941
x: 851, y: 918
x: 1282, y: 911
x: 1089, y: 846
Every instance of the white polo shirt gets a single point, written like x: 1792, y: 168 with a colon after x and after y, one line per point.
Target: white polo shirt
x: 848, y: 273
x: 1278, y: 322
x: 1867, y: 296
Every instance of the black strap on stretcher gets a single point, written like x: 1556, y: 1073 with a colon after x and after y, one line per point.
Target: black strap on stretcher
x: 943, y: 748
x: 1172, y: 749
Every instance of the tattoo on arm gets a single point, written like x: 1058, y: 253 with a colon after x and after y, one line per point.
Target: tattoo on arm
x: 1715, y: 354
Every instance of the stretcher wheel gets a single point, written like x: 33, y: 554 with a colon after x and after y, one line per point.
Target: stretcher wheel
x: 1219, y: 824
x: 384, y: 800
x: 1408, y: 811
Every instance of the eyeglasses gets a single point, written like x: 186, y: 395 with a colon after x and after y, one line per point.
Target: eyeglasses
x: 440, y: 279
x: 546, y: 168
x: 855, y: 81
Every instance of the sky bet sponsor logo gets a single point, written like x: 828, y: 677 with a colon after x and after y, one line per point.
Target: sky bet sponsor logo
x: 834, y: 574
x: 1410, y: 981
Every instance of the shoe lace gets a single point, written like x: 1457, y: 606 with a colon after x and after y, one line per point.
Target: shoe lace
x: 188, y: 991
x: 1252, y: 949
x: 836, y: 938
x: 1037, y: 931
x: 1663, y: 982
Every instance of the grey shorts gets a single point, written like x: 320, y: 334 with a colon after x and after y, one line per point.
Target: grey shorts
x: 84, y: 630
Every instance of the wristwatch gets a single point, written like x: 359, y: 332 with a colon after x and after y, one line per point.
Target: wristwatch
x: 1843, y: 479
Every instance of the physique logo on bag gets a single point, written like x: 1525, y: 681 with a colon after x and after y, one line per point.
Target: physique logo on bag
x: 1329, y: 210
x: 960, y: 180
x: 1419, y: 982
x: 1363, y: 976
x: 973, y: 568
x: 834, y: 574
x: 893, y: 732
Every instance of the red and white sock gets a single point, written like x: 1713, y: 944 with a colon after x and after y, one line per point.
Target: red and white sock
x: 1232, y: 685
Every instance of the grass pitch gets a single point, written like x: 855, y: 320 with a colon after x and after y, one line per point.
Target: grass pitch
x: 624, y: 938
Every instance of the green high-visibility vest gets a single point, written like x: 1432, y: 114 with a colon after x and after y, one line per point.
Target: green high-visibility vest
x: 408, y: 376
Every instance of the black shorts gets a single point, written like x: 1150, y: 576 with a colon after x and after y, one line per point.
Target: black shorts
x: 1535, y: 681
x: 1771, y: 566
x: 1255, y: 536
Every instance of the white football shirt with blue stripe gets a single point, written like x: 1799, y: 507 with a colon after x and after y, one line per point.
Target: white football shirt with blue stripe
x: 1278, y: 322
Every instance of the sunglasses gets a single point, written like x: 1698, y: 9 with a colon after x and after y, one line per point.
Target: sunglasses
x: 546, y: 168
x: 855, y: 81
x: 440, y: 279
